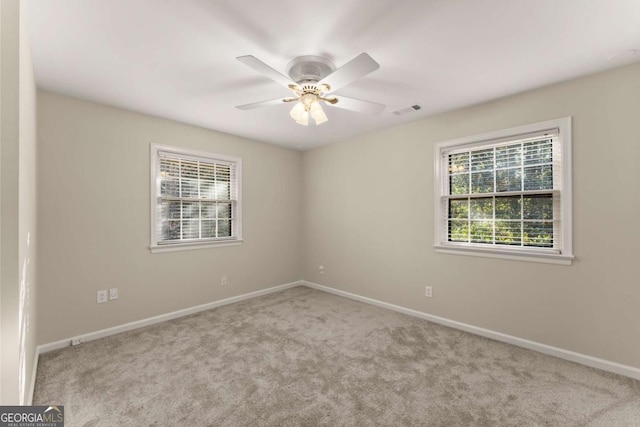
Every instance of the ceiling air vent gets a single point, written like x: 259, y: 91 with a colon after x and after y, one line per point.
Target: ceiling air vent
x: 407, y: 110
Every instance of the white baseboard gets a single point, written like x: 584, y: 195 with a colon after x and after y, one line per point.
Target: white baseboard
x: 161, y: 318
x: 594, y: 362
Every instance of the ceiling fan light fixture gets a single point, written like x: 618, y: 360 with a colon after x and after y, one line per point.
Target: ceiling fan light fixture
x: 308, y: 105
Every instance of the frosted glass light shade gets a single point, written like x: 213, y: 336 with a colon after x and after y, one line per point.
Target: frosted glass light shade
x: 317, y: 113
x: 300, y: 114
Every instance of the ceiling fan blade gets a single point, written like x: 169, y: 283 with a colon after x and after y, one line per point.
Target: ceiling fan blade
x: 366, y: 107
x: 261, y: 67
x: 260, y: 104
x: 358, y: 67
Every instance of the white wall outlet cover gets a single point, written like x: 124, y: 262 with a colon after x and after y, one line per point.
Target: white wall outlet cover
x: 223, y: 280
x: 101, y: 296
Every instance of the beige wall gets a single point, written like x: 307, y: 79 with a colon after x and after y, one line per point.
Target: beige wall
x: 93, y: 219
x: 18, y: 207
x: 362, y: 208
x: 368, y: 218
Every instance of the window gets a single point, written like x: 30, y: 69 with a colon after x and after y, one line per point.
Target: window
x: 195, y: 199
x: 506, y: 194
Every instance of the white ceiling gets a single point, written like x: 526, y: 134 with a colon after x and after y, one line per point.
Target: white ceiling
x: 176, y: 58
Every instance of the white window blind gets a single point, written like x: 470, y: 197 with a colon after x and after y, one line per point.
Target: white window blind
x: 505, y: 193
x: 196, y: 198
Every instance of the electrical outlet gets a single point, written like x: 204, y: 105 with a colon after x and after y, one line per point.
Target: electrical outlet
x: 428, y: 291
x: 113, y: 293
x: 223, y: 280
x: 321, y: 269
x: 102, y: 296
x: 76, y: 341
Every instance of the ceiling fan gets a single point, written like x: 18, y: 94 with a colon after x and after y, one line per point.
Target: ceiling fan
x: 313, y: 79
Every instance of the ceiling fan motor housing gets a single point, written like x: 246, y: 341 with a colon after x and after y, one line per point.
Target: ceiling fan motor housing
x: 309, y: 68
x: 310, y: 88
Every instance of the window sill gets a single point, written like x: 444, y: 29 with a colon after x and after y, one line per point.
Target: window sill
x: 548, y: 258
x: 192, y: 246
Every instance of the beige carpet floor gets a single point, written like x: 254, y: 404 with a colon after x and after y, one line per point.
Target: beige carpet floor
x: 302, y: 357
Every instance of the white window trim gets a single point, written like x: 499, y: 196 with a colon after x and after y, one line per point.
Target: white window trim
x: 566, y: 212
x: 185, y: 246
